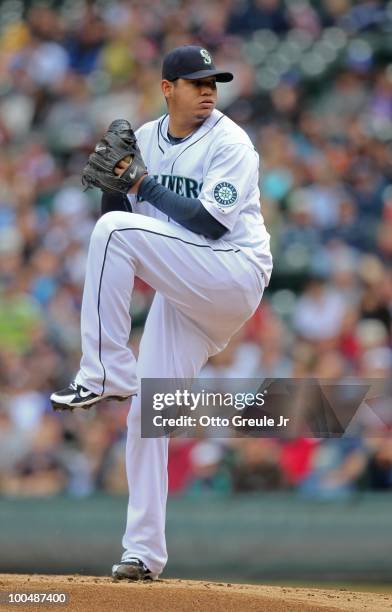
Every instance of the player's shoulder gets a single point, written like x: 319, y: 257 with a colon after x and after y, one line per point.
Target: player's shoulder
x: 147, y: 128
x: 227, y: 132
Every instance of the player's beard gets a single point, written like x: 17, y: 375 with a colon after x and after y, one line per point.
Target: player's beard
x: 200, y: 118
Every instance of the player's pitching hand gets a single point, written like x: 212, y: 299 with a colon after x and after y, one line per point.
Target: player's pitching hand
x: 120, y: 169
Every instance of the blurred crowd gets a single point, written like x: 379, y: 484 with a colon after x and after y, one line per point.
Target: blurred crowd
x: 313, y: 89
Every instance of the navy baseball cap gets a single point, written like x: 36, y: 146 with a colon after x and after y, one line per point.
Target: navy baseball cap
x: 191, y: 62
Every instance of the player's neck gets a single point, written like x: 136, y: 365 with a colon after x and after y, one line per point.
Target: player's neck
x: 181, y: 129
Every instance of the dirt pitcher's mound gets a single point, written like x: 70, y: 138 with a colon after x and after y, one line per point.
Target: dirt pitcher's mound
x: 99, y: 594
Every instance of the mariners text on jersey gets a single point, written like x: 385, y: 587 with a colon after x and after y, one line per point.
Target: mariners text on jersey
x: 182, y: 185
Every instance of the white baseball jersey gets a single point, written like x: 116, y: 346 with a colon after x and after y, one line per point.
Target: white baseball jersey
x: 205, y: 291
x: 219, y: 165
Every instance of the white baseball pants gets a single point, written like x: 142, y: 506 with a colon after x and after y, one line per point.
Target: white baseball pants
x: 205, y: 290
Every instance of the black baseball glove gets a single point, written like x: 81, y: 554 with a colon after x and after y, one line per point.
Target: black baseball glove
x: 117, y: 144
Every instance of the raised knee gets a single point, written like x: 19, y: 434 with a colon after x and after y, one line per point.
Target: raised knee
x: 111, y: 221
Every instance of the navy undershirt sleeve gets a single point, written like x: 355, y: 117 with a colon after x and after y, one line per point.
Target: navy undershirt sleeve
x: 113, y: 200
x: 188, y: 212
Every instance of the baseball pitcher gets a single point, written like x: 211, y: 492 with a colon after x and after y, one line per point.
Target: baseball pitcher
x: 182, y: 212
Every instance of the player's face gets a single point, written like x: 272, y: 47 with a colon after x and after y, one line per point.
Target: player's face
x: 193, y: 99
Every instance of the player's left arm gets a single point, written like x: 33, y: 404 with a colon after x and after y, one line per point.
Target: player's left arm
x: 232, y: 175
x: 113, y: 200
x: 188, y: 212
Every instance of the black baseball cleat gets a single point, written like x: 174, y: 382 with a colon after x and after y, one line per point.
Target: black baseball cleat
x: 77, y: 396
x: 133, y: 569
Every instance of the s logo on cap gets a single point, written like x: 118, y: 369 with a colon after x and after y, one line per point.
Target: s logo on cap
x: 206, y: 56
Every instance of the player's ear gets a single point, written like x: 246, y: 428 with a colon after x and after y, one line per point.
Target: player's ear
x: 167, y: 88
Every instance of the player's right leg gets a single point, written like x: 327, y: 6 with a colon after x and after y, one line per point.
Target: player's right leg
x: 171, y: 347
